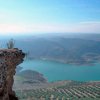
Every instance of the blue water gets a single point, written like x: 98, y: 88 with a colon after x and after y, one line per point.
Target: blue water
x: 54, y: 71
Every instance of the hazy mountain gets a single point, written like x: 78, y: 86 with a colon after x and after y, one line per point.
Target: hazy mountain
x: 78, y: 50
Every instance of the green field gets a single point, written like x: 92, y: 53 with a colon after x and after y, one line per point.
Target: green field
x: 72, y: 91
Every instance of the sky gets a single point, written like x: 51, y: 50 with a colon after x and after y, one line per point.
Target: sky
x: 49, y: 16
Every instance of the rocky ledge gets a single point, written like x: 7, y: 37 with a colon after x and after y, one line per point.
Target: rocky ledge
x: 9, y: 59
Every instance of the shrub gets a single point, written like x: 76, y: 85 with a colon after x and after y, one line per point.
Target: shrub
x: 10, y: 44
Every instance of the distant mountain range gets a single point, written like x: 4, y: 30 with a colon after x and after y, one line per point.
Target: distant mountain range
x: 74, y: 49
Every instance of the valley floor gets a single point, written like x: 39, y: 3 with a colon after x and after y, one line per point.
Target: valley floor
x: 61, y: 90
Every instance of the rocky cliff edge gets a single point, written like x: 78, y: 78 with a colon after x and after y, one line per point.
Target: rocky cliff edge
x: 9, y: 59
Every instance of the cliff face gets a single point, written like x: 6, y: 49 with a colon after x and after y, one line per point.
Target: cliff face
x: 9, y: 59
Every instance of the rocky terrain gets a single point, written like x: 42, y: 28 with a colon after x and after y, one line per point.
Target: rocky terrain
x: 9, y: 59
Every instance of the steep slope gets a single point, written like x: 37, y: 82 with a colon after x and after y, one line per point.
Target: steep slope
x: 9, y: 59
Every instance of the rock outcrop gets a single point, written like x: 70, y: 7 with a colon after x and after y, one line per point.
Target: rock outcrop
x: 9, y: 59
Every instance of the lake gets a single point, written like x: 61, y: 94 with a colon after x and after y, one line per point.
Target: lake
x: 54, y: 71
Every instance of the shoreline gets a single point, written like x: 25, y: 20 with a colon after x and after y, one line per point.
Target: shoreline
x: 65, y: 62
x: 42, y: 76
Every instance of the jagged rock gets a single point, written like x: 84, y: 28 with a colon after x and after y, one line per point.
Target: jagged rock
x: 9, y: 59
